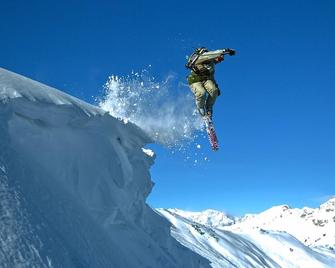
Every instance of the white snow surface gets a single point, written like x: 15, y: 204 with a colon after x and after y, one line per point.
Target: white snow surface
x: 277, y: 237
x: 15, y: 86
x: 209, y: 217
x: 312, y: 226
x: 73, y: 184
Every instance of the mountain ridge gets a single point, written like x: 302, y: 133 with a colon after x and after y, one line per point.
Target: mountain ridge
x: 278, y: 237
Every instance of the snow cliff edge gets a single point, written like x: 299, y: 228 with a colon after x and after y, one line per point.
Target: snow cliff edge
x: 73, y: 184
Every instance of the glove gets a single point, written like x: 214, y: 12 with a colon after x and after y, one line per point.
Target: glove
x: 232, y: 52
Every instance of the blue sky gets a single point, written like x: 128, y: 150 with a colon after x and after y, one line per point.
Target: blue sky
x: 276, y: 115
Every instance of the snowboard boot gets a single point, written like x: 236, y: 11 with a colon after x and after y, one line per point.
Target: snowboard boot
x: 202, y: 111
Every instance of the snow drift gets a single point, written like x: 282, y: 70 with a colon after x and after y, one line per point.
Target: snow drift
x: 73, y: 184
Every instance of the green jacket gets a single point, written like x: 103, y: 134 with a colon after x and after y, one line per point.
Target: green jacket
x: 205, y: 72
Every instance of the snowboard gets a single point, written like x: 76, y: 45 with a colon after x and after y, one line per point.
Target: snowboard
x: 213, y: 140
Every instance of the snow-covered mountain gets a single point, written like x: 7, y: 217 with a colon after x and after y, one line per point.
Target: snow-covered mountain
x: 209, y: 217
x: 278, y: 237
x: 73, y: 184
x: 312, y: 226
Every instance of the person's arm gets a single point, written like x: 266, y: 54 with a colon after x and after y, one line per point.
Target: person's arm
x: 210, y: 56
x: 215, y: 55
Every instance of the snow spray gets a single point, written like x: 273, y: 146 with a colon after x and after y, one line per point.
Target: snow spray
x: 165, y: 112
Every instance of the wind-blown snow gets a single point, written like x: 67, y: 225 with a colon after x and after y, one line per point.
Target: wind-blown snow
x: 167, y: 117
x: 73, y: 184
x: 278, y: 237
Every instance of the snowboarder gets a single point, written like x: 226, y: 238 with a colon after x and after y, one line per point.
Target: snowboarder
x: 202, y: 83
x: 201, y: 80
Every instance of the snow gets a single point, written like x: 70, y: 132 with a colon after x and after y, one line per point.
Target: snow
x: 169, y: 119
x: 14, y: 86
x: 210, y: 217
x: 278, y: 237
x: 313, y: 227
x: 73, y: 185
x: 148, y: 152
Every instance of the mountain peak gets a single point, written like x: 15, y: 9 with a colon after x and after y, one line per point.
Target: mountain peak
x: 278, y: 237
x: 329, y: 205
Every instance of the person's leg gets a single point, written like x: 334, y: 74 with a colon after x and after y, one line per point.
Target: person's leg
x: 200, y: 96
x: 213, y: 91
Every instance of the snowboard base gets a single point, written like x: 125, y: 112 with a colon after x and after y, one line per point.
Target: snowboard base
x: 213, y: 140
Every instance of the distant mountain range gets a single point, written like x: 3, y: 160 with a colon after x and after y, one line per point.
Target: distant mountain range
x: 278, y: 237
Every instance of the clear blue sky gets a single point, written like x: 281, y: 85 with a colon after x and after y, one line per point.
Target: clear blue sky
x: 276, y: 115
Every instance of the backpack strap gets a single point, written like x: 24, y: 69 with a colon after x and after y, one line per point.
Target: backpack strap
x: 194, y: 57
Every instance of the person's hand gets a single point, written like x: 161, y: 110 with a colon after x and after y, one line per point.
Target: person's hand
x: 232, y: 52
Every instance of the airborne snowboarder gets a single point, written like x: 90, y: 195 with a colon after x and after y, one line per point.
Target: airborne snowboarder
x: 201, y: 80
x: 203, y: 85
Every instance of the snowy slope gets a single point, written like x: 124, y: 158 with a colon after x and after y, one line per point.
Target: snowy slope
x: 73, y: 184
x: 274, y: 238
